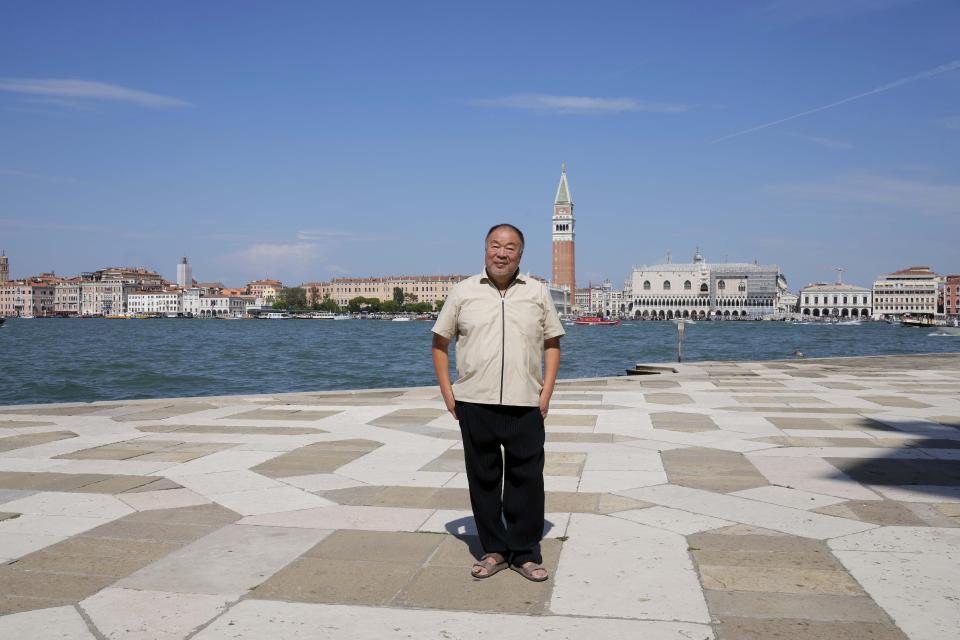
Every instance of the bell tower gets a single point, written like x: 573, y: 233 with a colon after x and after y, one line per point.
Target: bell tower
x: 4, y: 268
x: 564, y: 266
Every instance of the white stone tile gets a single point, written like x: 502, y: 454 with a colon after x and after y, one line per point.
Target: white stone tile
x: 346, y: 517
x: 321, y: 482
x: 228, y: 562
x: 51, y: 525
x: 462, y: 523
x: 623, y: 459
x: 675, y: 520
x: 607, y: 481
x: 55, y: 623
x: 111, y: 467
x: 911, y: 572
x: 556, y: 483
x: 259, y: 619
x: 828, y: 433
x: 918, y: 492
x: 610, y: 567
x: 126, y: 614
x: 224, y: 481
x: 744, y: 511
x: 272, y: 500
x: 793, y: 498
x: 54, y: 503
x: 16, y: 545
x: 26, y: 464
x: 813, y: 475
x: 167, y: 499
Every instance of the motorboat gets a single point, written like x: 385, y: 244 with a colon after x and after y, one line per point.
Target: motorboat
x: 275, y: 315
x: 401, y: 319
x: 598, y: 321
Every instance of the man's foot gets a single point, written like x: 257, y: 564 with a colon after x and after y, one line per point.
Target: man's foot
x: 488, y: 565
x: 531, y: 571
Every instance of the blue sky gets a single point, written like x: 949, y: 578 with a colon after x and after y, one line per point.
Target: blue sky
x: 307, y: 140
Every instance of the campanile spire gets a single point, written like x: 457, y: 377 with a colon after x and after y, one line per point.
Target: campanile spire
x: 564, y: 266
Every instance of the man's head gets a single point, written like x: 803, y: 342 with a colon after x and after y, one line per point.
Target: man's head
x: 504, y: 247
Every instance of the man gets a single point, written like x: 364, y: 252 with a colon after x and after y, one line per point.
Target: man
x: 505, y: 325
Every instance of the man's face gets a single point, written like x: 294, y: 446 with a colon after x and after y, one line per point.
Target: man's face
x: 503, y: 252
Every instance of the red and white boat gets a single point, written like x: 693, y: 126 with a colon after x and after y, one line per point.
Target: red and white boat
x: 596, y: 321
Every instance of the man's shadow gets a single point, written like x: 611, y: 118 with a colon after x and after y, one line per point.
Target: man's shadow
x: 465, y: 530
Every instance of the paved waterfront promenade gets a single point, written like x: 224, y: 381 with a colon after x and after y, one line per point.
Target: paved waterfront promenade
x: 801, y: 499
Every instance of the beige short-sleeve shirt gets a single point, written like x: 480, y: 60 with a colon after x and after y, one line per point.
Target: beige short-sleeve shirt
x: 499, y: 336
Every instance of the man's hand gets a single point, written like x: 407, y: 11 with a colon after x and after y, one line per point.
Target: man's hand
x: 441, y: 365
x: 545, y: 402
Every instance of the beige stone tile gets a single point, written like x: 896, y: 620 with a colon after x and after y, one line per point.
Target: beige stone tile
x: 155, y: 485
x: 821, y: 559
x: 11, y: 443
x: 896, y: 401
x: 756, y: 629
x: 612, y: 504
x: 751, y: 539
x: 377, y: 546
x: 209, y: 515
x: 55, y: 586
x: 7, y: 516
x: 17, y: 604
x: 118, y: 484
x: 884, y: 512
x: 668, y: 398
x: 337, y: 581
x: 570, y: 420
x: 778, y: 579
x: 682, y: 421
x: 283, y: 414
x: 775, y: 606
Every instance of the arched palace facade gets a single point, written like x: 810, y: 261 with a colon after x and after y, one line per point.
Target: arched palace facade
x: 698, y: 290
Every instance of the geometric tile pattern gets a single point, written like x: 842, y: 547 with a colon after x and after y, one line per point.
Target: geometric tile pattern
x: 799, y: 499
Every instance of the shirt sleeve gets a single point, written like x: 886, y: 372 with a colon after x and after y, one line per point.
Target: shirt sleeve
x: 551, y: 321
x: 446, y: 324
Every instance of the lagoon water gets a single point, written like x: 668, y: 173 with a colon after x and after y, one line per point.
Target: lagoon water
x: 73, y: 360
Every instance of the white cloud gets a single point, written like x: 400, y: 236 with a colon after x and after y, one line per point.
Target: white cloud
x: 911, y: 196
x: 829, y: 143
x: 295, y: 252
x: 60, y: 91
x: 576, y: 104
x: 321, y: 235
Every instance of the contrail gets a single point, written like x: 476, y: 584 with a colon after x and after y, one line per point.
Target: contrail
x: 944, y: 68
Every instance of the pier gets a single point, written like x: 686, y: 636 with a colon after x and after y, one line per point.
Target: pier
x: 801, y: 499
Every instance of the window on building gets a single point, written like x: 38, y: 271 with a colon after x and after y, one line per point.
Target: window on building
x: 646, y: 285
x: 721, y: 284
x: 703, y: 288
x: 742, y: 287
x: 687, y: 285
x: 666, y: 285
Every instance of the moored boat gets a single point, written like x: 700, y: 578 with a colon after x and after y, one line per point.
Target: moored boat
x: 598, y: 321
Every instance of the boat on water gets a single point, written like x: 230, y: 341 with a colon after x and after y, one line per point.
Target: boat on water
x: 401, y: 319
x: 322, y: 315
x: 343, y: 316
x: 2, y: 320
x: 921, y: 321
x: 275, y: 315
x: 598, y: 321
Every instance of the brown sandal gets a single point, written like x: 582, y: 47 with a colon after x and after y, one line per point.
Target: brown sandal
x: 499, y: 564
x: 527, y: 568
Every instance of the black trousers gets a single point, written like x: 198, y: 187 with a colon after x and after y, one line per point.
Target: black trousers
x: 506, y: 491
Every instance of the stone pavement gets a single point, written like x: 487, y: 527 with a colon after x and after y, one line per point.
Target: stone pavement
x: 809, y: 499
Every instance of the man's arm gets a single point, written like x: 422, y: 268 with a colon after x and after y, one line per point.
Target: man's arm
x: 551, y: 365
x: 441, y: 365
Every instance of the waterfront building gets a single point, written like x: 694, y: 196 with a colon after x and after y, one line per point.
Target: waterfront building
x: 26, y: 298
x: 951, y: 295
x: 564, y: 250
x: 184, y: 273
x: 104, y: 292
x: 700, y: 290
x: 911, y: 291
x: 4, y: 267
x: 836, y: 300
x: 266, y: 290
x: 430, y: 289
x: 600, y: 299
x: 788, y: 303
x: 155, y: 302
x: 581, y: 298
x: 220, y: 306
x: 66, y: 297
x: 317, y: 292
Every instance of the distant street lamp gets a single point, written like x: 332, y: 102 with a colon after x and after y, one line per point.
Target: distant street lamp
x: 681, y: 323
